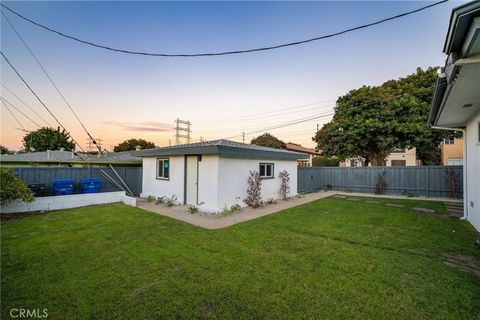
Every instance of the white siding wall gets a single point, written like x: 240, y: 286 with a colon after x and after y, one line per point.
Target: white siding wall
x: 472, y: 147
x: 158, y: 187
x: 233, y: 175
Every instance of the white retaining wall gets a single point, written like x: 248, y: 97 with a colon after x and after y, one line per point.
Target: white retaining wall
x: 68, y: 201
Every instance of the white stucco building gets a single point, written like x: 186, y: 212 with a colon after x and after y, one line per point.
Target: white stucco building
x: 456, y: 102
x: 214, y: 174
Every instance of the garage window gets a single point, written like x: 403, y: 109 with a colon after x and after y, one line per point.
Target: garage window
x: 266, y: 170
x: 163, y: 169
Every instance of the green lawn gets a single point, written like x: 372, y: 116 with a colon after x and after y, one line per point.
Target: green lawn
x: 331, y: 259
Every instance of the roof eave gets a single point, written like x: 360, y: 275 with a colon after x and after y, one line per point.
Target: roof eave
x: 459, y: 23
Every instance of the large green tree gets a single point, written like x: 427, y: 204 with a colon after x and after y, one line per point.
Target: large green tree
x: 370, y: 121
x: 48, y: 139
x: 131, y: 144
x: 267, y: 140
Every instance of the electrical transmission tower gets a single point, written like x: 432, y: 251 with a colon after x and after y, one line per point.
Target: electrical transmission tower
x: 91, y: 145
x: 182, y: 130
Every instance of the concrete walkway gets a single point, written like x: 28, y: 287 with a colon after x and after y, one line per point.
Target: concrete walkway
x: 218, y: 222
x: 209, y: 222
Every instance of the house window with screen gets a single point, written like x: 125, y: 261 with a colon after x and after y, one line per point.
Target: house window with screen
x: 163, y: 169
x: 266, y: 170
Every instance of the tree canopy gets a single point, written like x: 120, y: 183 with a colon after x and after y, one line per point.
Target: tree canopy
x: 4, y: 150
x: 267, y: 140
x: 131, y: 144
x: 370, y: 121
x: 48, y: 139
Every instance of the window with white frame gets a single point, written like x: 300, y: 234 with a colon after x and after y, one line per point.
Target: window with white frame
x: 163, y: 169
x: 448, y: 141
x: 266, y: 170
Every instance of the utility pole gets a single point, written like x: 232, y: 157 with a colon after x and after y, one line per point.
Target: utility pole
x: 317, y: 126
x: 243, y: 137
x: 180, y: 127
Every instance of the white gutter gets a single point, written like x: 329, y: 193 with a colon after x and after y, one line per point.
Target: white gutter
x: 465, y: 195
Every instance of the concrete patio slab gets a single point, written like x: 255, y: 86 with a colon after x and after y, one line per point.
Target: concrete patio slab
x: 425, y: 210
x: 393, y: 205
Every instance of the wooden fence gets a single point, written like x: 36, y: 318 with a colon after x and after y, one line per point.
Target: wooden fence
x: 131, y: 175
x: 429, y: 181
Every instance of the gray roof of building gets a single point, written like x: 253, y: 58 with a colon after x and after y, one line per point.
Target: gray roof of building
x: 224, y: 148
x: 69, y: 157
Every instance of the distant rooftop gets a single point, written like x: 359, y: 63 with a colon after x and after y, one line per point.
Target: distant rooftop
x: 296, y: 147
x: 55, y: 156
x: 225, y: 148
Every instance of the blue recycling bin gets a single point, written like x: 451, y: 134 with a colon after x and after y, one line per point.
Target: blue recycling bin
x: 90, y: 185
x: 63, y: 187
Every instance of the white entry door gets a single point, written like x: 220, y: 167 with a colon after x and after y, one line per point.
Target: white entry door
x: 192, y: 180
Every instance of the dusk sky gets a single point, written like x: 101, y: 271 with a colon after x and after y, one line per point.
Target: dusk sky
x: 121, y: 96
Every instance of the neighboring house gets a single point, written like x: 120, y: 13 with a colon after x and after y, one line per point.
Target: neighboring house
x: 456, y: 101
x: 61, y: 158
x: 214, y: 174
x: 298, y: 148
x: 398, y: 157
x: 451, y: 152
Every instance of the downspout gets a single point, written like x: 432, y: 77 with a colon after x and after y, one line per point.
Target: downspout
x: 465, y: 177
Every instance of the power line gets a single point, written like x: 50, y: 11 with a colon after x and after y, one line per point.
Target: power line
x: 38, y: 98
x: 286, y: 124
x: 20, y: 111
x: 48, y: 76
x: 30, y: 108
x: 222, y: 53
x: 18, y: 121
x: 295, y: 108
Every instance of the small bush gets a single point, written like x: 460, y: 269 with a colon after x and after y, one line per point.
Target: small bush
x: 225, y: 211
x: 381, y: 185
x: 254, y: 197
x: 12, y: 188
x: 284, y: 183
x: 150, y: 198
x: 322, y: 161
x: 270, y: 201
x: 235, y: 208
x: 409, y: 194
x: 160, y: 200
x: 172, y: 201
x: 192, y: 209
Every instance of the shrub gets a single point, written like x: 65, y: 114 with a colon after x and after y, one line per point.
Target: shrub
x: 225, y: 211
x: 284, y: 184
x: 12, y: 188
x: 270, y: 201
x: 452, y: 180
x: 150, y: 198
x: 170, y: 202
x: 409, y: 194
x: 160, y: 200
x: 235, y: 208
x: 322, y: 161
x: 192, y: 209
x: 381, y: 185
x: 254, y: 197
